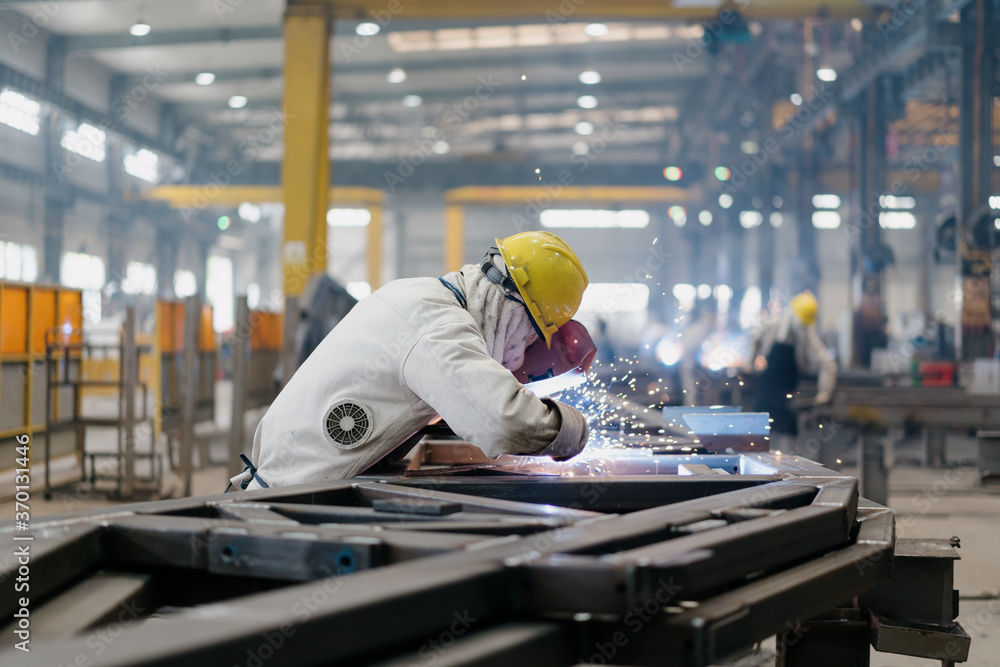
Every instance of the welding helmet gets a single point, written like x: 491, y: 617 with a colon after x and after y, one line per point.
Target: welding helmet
x: 548, y: 275
x: 804, y: 306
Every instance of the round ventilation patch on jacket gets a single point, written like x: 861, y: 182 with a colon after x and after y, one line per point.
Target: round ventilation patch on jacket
x: 348, y: 424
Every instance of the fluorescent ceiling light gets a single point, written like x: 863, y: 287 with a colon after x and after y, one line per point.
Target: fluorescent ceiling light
x: 204, y: 78
x: 891, y: 202
x: 796, y: 99
x: 140, y: 29
x: 348, y: 217
x: 826, y: 219
x: 594, y: 219
x: 725, y: 200
x: 590, y: 77
x: 897, y: 220
x: 367, y: 29
x: 412, y: 101
x: 249, y: 212
x: 584, y: 128
x: 441, y: 147
x: 750, y: 219
x: 398, y: 75
x: 596, y: 29
x: 826, y: 74
x: 826, y: 201
x: 705, y: 218
x: 586, y: 101
x: 237, y: 102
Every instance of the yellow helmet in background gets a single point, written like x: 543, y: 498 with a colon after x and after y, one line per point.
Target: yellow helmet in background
x: 805, y: 306
x: 548, y: 275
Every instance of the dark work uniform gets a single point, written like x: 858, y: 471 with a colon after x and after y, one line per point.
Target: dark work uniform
x: 777, y: 381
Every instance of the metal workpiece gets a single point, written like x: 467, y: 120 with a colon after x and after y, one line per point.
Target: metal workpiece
x: 471, y: 566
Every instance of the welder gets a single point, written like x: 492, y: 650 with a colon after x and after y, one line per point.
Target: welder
x: 422, y: 348
x: 782, y: 349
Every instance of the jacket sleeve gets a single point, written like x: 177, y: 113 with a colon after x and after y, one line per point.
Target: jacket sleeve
x: 820, y: 357
x: 448, y: 368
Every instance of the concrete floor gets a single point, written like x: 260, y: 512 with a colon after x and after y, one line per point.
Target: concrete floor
x: 929, y: 503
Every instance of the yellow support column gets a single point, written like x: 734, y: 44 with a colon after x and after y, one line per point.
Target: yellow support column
x: 375, y: 248
x: 305, y: 173
x: 454, y: 236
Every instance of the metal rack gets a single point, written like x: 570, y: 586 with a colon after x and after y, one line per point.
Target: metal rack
x: 60, y: 348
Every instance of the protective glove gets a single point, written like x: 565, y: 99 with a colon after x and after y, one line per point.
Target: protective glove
x: 572, y: 436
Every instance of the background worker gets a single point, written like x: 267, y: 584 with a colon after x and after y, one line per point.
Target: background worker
x: 420, y: 348
x: 781, y: 350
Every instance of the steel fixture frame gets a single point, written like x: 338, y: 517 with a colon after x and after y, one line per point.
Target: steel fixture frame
x: 542, y: 570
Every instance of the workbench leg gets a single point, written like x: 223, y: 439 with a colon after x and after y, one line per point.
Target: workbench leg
x: 130, y: 378
x: 241, y: 387
x: 871, y: 465
x: 933, y: 440
x: 189, y: 389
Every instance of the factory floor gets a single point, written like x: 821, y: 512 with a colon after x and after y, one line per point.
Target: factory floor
x: 929, y: 503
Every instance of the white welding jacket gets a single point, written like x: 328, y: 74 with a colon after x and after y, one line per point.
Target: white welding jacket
x: 402, y: 356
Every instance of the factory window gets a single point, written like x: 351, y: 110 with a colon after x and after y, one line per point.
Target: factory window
x: 85, y: 272
x: 143, y: 164
x: 219, y: 291
x: 139, y: 278
x: 777, y: 219
x: 253, y: 295
x: 19, y: 112
x: 348, y: 217
x: 826, y: 219
x: 359, y: 290
x: 615, y: 298
x: 751, y: 307
x: 897, y: 220
x: 18, y: 262
x: 185, y: 284
x: 87, y: 141
x: 586, y: 218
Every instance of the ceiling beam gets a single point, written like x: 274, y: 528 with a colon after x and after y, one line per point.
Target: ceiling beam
x: 568, y: 56
x: 123, y: 40
x: 591, y: 9
x: 110, y: 122
x: 665, y: 91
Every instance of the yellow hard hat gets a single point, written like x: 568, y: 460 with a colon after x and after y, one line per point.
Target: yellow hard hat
x: 804, y: 306
x: 548, y: 275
